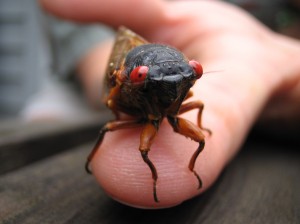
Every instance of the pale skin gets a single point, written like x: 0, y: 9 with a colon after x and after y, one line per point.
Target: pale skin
x: 251, y: 63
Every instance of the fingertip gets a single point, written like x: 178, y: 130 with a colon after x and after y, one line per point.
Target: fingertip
x: 123, y: 175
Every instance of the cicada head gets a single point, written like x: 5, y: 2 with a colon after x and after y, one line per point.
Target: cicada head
x: 162, y: 74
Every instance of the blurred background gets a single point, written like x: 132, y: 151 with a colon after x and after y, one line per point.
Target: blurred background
x: 38, y: 58
x: 39, y: 54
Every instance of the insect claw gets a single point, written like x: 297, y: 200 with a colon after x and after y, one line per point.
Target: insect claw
x: 207, y: 130
x: 144, y: 154
x: 87, y: 167
x: 199, y: 179
x: 154, y: 192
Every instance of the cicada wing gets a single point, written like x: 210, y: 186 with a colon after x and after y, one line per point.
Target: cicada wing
x: 125, y: 41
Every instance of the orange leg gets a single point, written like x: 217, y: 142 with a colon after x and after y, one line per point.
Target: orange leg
x: 110, y: 126
x: 146, y: 139
x: 188, y: 129
x: 148, y: 133
x: 195, y: 105
x: 189, y: 95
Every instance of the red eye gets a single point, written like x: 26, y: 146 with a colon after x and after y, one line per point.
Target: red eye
x: 197, y: 68
x: 139, y: 74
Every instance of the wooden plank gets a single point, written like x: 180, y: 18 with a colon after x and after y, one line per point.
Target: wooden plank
x: 32, y: 142
x: 261, y: 185
x: 49, y: 191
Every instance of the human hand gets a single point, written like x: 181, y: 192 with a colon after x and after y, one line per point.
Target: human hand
x: 253, y: 63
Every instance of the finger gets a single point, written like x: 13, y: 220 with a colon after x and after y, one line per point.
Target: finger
x: 91, y: 71
x: 158, y: 21
x: 113, y: 13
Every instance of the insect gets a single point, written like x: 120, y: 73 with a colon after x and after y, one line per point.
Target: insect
x: 151, y: 82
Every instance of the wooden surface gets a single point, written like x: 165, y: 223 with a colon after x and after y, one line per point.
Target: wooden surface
x: 261, y: 185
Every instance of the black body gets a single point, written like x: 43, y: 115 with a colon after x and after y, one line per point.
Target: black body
x: 168, y: 81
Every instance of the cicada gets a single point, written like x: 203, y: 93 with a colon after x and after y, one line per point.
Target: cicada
x: 150, y: 82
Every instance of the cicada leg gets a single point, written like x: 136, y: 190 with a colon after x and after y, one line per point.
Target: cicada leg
x: 188, y: 95
x: 110, y: 126
x: 195, y: 105
x: 146, y: 139
x: 190, y: 130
